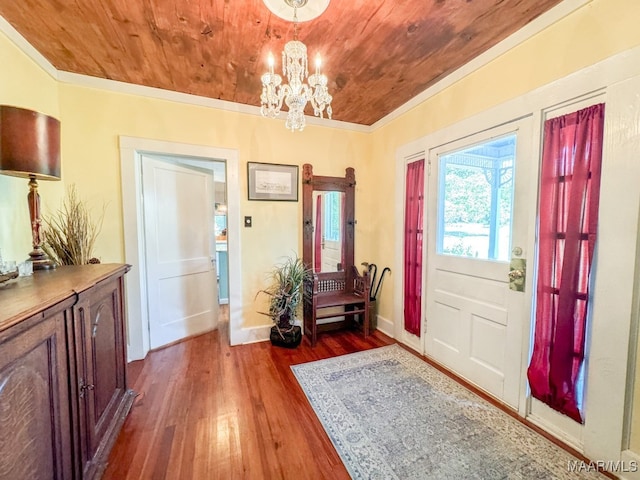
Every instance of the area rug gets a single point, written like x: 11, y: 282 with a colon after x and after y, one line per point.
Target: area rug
x: 391, y: 415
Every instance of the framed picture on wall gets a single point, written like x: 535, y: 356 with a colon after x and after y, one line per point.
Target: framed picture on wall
x: 270, y: 181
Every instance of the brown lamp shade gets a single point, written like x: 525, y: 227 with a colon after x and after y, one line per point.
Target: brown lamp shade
x: 29, y: 144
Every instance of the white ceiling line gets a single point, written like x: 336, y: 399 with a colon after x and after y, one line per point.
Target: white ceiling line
x: 534, y: 27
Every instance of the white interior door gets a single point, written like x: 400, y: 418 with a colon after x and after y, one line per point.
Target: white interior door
x: 474, y: 321
x: 180, y: 250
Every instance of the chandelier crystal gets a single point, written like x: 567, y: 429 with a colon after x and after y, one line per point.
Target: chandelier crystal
x: 296, y: 93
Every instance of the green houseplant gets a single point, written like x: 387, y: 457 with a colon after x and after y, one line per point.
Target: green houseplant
x: 285, y: 296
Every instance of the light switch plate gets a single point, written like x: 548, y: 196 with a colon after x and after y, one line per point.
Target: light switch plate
x: 247, y: 221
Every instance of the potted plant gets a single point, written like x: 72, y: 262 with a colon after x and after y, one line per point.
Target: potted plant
x: 285, y: 295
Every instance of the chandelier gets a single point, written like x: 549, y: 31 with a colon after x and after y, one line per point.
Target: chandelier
x: 296, y: 93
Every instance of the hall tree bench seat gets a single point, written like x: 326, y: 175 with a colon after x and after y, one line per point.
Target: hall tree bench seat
x: 63, y: 389
x: 326, y: 293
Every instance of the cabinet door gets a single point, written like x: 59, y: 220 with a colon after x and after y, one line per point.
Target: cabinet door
x: 100, y: 356
x: 34, y: 403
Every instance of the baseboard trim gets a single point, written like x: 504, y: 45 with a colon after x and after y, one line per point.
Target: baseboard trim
x: 254, y: 334
x: 385, y: 326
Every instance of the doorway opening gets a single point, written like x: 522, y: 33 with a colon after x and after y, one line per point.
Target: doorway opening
x: 131, y: 152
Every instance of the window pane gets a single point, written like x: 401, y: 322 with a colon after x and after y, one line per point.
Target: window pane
x: 475, y: 200
x: 332, y: 216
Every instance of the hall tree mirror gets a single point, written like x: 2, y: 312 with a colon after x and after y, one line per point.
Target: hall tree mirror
x: 328, y: 231
x: 328, y: 211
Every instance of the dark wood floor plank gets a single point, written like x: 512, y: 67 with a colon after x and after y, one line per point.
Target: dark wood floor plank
x: 208, y: 410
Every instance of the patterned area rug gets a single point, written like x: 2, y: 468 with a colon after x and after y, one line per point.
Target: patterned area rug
x: 391, y: 415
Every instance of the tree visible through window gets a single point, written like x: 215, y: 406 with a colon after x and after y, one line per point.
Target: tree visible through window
x: 475, y: 200
x: 332, y: 206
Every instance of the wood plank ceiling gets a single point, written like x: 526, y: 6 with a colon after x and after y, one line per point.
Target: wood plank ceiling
x: 378, y: 54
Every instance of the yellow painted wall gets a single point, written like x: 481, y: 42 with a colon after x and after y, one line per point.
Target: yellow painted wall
x: 589, y: 35
x: 597, y: 31
x: 23, y: 84
x: 94, y: 120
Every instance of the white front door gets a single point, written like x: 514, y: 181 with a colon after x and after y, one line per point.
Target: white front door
x: 180, y: 253
x: 474, y: 321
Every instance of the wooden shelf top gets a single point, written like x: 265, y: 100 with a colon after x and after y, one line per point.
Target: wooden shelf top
x: 25, y: 296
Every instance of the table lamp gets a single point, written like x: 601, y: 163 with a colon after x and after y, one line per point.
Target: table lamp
x: 30, y: 148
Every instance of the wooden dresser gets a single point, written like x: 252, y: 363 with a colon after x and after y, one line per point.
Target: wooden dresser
x: 63, y: 388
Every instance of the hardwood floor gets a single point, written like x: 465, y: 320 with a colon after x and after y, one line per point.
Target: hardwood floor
x: 206, y: 410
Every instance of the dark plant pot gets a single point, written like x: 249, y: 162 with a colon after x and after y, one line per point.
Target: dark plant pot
x: 291, y: 338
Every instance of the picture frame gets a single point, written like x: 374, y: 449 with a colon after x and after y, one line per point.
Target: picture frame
x: 272, y: 181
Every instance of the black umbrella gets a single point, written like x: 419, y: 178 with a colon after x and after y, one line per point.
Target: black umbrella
x: 374, y: 267
x: 374, y: 296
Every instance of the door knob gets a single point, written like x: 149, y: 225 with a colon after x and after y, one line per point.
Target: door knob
x: 517, y: 274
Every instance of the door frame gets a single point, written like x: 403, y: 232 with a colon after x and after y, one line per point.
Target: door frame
x: 608, y: 404
x: 406, y: 155
x: 492, y: 119
x: 131, y: 149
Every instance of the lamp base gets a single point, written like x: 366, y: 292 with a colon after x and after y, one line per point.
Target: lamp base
x: 40, y: 260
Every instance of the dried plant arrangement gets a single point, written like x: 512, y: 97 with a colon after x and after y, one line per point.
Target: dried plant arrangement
x: 70, y: 234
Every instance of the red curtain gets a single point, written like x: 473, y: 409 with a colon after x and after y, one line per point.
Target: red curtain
x: 317, y: 242
x: 342, y: 232
x: 414, y: 206
x: 569, y: 196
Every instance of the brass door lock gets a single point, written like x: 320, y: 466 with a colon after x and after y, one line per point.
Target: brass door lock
x: 517, y: 274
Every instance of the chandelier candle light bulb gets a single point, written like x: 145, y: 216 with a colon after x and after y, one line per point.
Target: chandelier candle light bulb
x: 271, y: 62
x: 296, y: 93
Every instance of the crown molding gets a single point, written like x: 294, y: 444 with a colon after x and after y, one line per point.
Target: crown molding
x: 534, y: 27
x: 19, y: 41
x: 115, y: 86
x: 531, y: 29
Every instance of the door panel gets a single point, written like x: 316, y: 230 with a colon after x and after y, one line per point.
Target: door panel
x: 181, y: 279
x: 99, y: 341
x: 34, y: 402
x: 474, y: 325
x: 331, y: 255
x: 469, y: 324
